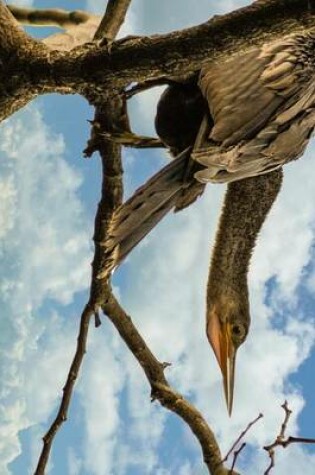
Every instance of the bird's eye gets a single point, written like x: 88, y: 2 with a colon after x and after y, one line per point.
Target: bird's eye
x: 238, y: 331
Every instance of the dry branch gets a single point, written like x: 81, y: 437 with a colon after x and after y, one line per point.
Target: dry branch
x: 13, y: 38
x: 235, y: 456
x: 160, y: 388
x: 181, y: 53
x: 113, y: 19
x: 67, y: 391
x: 48, y: 17
x: 92, y: 69
x: 281, y: 441
x: 241, y: 436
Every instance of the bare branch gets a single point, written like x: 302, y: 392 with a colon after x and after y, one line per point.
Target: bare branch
x: 107, y: 115
x: 181, y: 53
x: 67, y: 391
x: 241, y: 436
x: 235, y: 456
x: 52, y: 16
x: 113, y: 19
x: 281, y: 441
x: 160, y: 388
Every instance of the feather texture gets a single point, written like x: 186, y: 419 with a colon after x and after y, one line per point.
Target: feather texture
x: 262, y: 115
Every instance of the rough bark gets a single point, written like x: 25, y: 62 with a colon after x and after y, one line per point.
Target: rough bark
x: 28, y: 68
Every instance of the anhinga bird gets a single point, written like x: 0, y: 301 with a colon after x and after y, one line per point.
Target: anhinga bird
x: 245, y: 118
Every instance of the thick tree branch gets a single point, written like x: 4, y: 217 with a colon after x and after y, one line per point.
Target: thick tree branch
x: 52, y: 16
x: 90, y: 70
x: 13, y: 37
x: 160, y: 388
x: 181, y: 53
x: 113, y: 19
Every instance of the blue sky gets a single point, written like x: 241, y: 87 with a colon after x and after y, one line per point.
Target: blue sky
x: 49, y: 196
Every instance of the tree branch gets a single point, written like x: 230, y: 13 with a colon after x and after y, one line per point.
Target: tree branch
x: 67, y: 391
x: 48, y: 17
x: 179, y: 54
x: 13, y: 37
x: 160, y: 388
x: 112, y: 20
x: 241, y: 436
x: 108, y: 114
x: 281, y: 441
x: 91, y: 69
x: 235, y: 457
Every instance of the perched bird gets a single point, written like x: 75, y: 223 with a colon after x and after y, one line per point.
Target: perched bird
x: 244, y: 118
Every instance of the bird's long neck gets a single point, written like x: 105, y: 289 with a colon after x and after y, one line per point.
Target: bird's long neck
x: 246, y: 205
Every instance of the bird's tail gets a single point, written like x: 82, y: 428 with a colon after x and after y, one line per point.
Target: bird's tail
x: 133, y: 220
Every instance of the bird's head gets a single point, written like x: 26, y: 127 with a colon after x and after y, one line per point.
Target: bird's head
x: 228, y: 322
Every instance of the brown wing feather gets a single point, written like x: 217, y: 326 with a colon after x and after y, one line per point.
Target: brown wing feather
x: 246, y: 91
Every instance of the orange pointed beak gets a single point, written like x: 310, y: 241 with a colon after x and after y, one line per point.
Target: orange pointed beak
x: 219, y: 336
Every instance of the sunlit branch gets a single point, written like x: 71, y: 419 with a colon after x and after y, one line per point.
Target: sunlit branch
x: 12, y: 35
x: 160, y: 388
x: 112, y: 20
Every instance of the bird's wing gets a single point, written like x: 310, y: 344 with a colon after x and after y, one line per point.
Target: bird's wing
x: 246, y: 91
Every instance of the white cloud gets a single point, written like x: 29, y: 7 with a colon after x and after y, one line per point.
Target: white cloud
x: 45, y: 255
x: 101, y: 383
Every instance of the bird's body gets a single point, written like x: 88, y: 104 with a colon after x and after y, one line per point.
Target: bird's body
x: 258, y: 114
x: 263, y: 106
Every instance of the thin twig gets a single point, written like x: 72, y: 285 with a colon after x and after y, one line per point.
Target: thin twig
x: 241, y: 436
x: 235, y: 457
x: 281, y: 441
x: 52, y: 16
x: 61, y: 416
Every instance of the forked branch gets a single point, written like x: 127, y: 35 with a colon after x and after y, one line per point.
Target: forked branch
x: 282, y: 441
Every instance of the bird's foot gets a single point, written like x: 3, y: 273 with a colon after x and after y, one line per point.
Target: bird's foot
x: 129, y: 139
